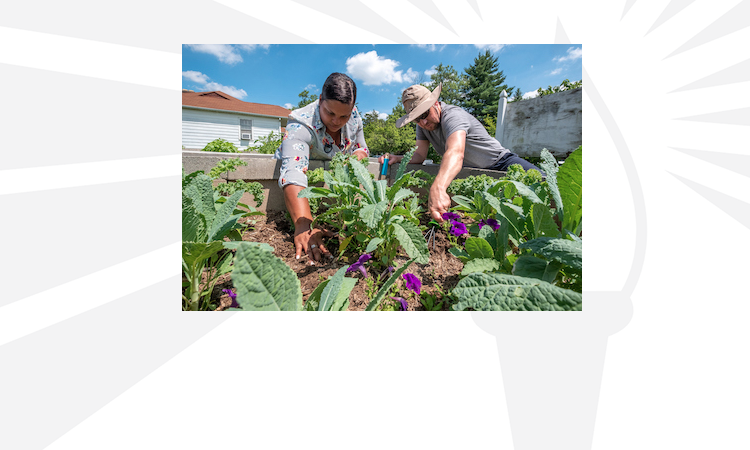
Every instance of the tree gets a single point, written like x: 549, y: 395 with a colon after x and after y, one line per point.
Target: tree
x: 564, y: 86
x: 452, y: 84
x: 306, y: 98
x: 382, y: 136
x: 484, y: 83
x: 518, y: 96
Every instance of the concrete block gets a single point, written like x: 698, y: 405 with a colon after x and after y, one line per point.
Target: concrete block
x: 265, y: 170
x: 553, y: 122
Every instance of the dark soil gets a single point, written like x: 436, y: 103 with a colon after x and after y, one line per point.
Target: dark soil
x: 438, y: 277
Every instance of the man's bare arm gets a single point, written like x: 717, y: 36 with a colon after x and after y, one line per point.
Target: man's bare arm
x: 450, y: 166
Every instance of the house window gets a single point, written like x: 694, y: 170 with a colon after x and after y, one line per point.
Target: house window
x: 246, y: 129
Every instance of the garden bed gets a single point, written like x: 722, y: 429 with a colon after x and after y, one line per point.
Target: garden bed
x: 510, y: 244
x: 438, y: 277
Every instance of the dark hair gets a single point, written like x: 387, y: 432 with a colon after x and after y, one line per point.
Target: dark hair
x: 339, y: 87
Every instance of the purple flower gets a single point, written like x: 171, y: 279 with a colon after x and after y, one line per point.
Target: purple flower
x: 413, y: 283
x: 403, y: 302
x: 360, y: 264
x: 451, y: 216
x: 389, y: 271
x: 233, y: 296
x: 491, y: 222
x: 458, y: 228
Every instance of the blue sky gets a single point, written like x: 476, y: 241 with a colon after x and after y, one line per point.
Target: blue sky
x: 276, y: 74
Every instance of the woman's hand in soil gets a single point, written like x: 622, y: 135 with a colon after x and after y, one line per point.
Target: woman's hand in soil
x: 311, y: 243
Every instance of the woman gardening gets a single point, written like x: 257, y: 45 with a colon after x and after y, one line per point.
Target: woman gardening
x: 319, y: 130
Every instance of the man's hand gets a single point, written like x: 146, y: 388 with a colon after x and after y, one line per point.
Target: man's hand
x: 392, y: 160
x: 438, y: 203
x: 311, y: 243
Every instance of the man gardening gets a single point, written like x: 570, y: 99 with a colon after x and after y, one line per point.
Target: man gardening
x: 455, y: 134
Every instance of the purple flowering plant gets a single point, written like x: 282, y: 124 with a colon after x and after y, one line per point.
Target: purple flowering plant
x: 404, y: 305
x: 453, y: 226
x: 360, y: 264
x: 233, y: 296
x: 490, y: 222
x: 413, y: 283
x: 458, y: 228
x: 451, y: 216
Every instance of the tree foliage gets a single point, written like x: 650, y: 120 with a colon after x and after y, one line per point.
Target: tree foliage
x: 564, y: 86
x: 306, y: 98
x: 453, y: 84
x: 383, y: 136
x: 484, y: 83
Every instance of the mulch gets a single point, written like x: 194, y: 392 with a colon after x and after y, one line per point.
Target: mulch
x: 441, y: 273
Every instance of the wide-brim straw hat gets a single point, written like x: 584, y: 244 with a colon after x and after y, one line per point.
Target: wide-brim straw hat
x: 417, y: 99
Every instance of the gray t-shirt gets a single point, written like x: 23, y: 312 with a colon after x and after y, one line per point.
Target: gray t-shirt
x: 481, y: 151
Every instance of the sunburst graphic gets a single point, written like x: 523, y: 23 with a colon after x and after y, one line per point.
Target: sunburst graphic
x: 96, y: 354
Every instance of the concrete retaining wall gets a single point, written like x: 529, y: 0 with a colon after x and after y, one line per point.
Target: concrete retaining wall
x: 265, y: 170
x: 553, y: 122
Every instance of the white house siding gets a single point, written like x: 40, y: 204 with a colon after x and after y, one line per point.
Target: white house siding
x: 199, y: 127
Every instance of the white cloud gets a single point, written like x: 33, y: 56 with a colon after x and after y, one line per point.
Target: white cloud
x: 204, y: 83
x: 194, y: 76
x: 381, y: 116
x: 556, y: 71
x: 289, y: 106
x: 494, y: 48
x: 573, y: 54
x: 430, y: 71
x: 311, y: 88
x: 225, y: 53
x: 376, y: 70
x: 228, y: 54
x: 251, y: 47
x: 532, y: 94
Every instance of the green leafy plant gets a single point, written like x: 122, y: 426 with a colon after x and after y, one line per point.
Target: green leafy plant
x: 265, y: 283
x: 205, y: 223
x: 230, y: 187
x: 267, y: 145
x: 517, y: 235
x: 370, y: 208
x: 516, y: 172
x: 220, y: 145
x: 501, y: 292
x: 315, y: 176
x: 225, y: 166
x: 467, y: 186
x: 564, y: 86
x: 251, y: 187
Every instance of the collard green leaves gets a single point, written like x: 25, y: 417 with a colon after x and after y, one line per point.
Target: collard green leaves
x: 570, y: 184
x: 501, y: 292
x: 564, y: 251
x: 412, y: 240
x: 264, y: 282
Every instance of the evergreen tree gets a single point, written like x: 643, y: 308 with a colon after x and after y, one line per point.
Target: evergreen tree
x: 517, y: 96
x: 484, y: 83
